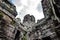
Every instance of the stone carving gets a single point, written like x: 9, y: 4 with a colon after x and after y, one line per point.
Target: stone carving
x: 29, y: 18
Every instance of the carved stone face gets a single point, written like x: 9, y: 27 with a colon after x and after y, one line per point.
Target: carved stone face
x: 29, y: 18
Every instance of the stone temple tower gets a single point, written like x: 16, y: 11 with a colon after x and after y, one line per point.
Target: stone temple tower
x: 29, y: 21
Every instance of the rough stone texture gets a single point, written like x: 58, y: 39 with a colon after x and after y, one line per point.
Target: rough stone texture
x: 29, y: 21
x: 7, y: 5
x: 29, y: 18
x: 32, y: 18
x: 47, y: 28
x: 9, y: 26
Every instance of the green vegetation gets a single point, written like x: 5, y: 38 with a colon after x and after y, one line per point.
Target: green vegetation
x: 13, y: 22
x: 24, y: 37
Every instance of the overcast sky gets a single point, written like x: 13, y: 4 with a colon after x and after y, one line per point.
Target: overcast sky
x: 32, y: 7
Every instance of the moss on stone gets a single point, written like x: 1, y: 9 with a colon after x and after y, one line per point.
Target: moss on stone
x: 13, y: 22
x: 24, y: 37
x: 1, y: 16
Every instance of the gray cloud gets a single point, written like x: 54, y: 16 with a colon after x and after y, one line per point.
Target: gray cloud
x: 39, y: 7
x: 29, y: 7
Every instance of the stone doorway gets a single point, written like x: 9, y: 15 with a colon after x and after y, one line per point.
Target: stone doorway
x: 47, y: 38
x: 36, y: 39
x: 17, y: 35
